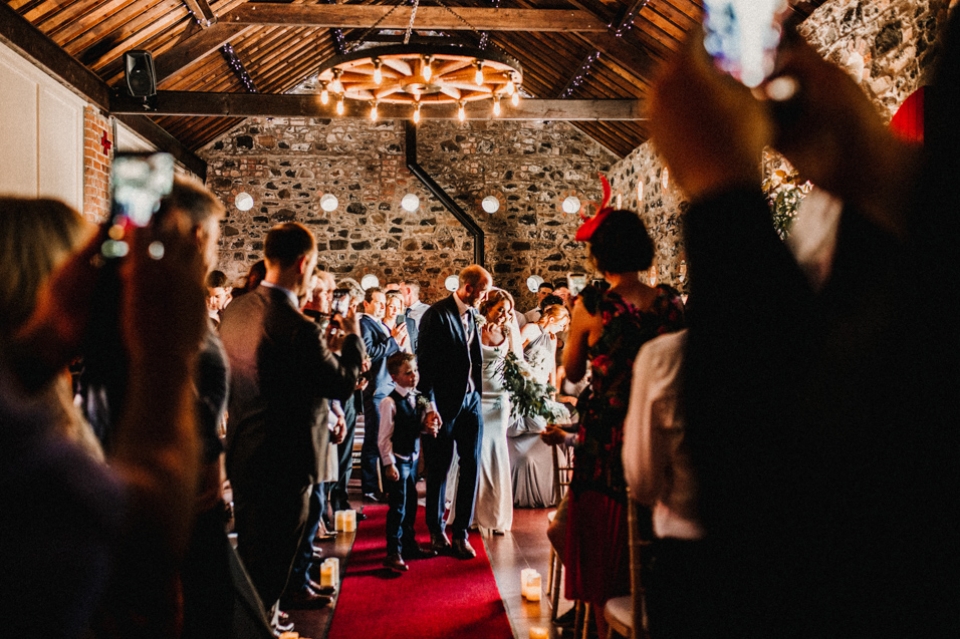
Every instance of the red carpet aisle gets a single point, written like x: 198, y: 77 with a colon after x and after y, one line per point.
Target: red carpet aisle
x: 439, y: 598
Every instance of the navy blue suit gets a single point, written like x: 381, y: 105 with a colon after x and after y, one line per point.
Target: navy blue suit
x: 447, y: 364
x: 380, y: 345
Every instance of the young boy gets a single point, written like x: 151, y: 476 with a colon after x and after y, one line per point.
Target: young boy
x: 400, y: 428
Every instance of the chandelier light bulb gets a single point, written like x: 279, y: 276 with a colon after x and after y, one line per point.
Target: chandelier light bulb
x: 324, y: 95
x: 515, y: 98
x: 336, y: 86
x: 478, y: 77
x: 377, y: 73
x: 510, y: 88
x: 427, y: 71
x: 461, y: 112
x: 496, y: 106
x: 340, y: 106
x: 416, y: 114
x: 373, y: 112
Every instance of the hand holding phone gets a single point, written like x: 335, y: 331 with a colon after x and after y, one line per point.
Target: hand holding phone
x: 137, y: 184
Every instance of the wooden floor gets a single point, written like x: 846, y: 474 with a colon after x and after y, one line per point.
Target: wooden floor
x: 526, y: 546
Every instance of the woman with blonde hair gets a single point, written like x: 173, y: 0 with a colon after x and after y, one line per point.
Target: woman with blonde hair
x: 36, y: 236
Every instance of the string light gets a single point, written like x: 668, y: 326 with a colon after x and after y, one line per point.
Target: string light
x: 580, y: 75
x: 461, y: 112
x: 496, y: 106
x: 377, y: 73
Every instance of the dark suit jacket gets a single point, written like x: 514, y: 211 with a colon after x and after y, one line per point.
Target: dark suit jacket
x: 380, y: 345
x: 442, y: 356
x: 281, y: 377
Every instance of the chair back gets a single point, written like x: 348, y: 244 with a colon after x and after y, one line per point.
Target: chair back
x: 638, y: 548
x: 562, y: 469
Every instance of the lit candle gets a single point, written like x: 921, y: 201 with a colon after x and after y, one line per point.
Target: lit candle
x: 534, y: 587
x: 536, y: 632
x: 326, y: 575
x: 290, y: 634
x: 524, y: 578
x: 334, y: 564
x: 350, y: 521
x: 338, y: 519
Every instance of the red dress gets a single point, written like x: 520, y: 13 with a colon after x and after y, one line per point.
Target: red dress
x: 597, y: 555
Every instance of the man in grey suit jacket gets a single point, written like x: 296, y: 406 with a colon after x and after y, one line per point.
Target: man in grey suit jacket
x: 282, y: 374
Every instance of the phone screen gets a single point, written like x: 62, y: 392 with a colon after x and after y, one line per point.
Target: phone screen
x: 341, y: 301
x: 138, y: 182
x: 742, y: 36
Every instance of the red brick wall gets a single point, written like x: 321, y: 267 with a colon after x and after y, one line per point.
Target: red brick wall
x: 97, y: 157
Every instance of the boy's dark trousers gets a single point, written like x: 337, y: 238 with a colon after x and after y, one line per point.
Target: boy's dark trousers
x: 402, y: 496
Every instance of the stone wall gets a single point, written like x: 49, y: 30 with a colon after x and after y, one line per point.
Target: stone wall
x: 888, y: 45
x: 286, y: 164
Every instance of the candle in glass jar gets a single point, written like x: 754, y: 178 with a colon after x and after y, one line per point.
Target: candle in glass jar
x: 536, y: 632
x: 326, y: 575
x: 534, y: 587
x: 349, y: 521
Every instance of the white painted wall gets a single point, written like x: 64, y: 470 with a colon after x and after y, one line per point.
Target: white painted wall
x: 41, y: 133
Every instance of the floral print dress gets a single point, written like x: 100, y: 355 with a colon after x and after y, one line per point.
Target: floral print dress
x: 597, y: 555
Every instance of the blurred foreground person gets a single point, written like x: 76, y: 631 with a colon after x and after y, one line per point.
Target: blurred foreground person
x: 822, y: 425
x: 90, y: 550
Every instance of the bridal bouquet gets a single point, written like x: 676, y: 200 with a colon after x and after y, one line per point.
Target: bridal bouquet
x: 529, y: 397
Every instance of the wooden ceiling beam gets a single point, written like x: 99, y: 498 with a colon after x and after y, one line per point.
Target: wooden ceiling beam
x: 202, y: 12
x: 188, y: 103
x: 350, y: 16
x: 195, y: 47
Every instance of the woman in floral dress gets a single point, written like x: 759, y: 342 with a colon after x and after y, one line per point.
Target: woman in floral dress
x: 608, y: 328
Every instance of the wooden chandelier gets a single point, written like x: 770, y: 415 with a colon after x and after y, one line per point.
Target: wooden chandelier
x: 420, y: 74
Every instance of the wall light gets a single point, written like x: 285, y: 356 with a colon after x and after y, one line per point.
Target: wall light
x: 533, y: 283
x: 243, y: 201
x: 571, y: 205
x: 452, y: 283
x: 410, y: 202
x: 369, y: 281
x: 490, y: 204
x: 329, y: 202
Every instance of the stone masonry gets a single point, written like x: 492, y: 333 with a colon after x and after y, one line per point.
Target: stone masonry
x: 287, y: 164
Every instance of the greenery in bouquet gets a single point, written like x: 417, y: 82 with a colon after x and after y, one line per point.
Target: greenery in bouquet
x: 529, y: 397
x: 785, y: 191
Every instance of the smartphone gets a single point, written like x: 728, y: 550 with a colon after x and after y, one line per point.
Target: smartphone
x: 341, y: 301
x: 576, y: 282
x: 401, y: 320
x: 742, y: 36
x: 138, y: 181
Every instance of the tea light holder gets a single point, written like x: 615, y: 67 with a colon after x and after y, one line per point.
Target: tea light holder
x: 530, y: 584
x: 536, y: 632
x: 330, y: 572
x: 345, y: 520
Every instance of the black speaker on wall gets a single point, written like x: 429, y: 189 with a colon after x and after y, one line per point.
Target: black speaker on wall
x: 139, y: 73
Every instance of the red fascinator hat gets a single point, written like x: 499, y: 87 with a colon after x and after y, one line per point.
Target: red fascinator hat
x: 590, y: 224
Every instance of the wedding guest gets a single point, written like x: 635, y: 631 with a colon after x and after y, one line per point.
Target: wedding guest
x: 217, y: 294
x: 657, y: 467
x: 381, y: 341
x: 411, y: 298
x: 607, y: 330
x: 401, y: 423
x: 531, y: 460
x: 498, y: 336
x: 394, y: 315
x: 545, y: 289
x: 129, y: 521
x: 821, y: 421
x: 253, y: 278
x: 282, y: 375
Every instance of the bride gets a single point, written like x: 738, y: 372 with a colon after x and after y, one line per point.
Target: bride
x: 498, y: 335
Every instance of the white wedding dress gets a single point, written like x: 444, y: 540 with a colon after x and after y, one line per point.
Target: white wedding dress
x: 494, y: 508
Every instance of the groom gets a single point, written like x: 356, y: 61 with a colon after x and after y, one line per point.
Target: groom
x: 450, y: 377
